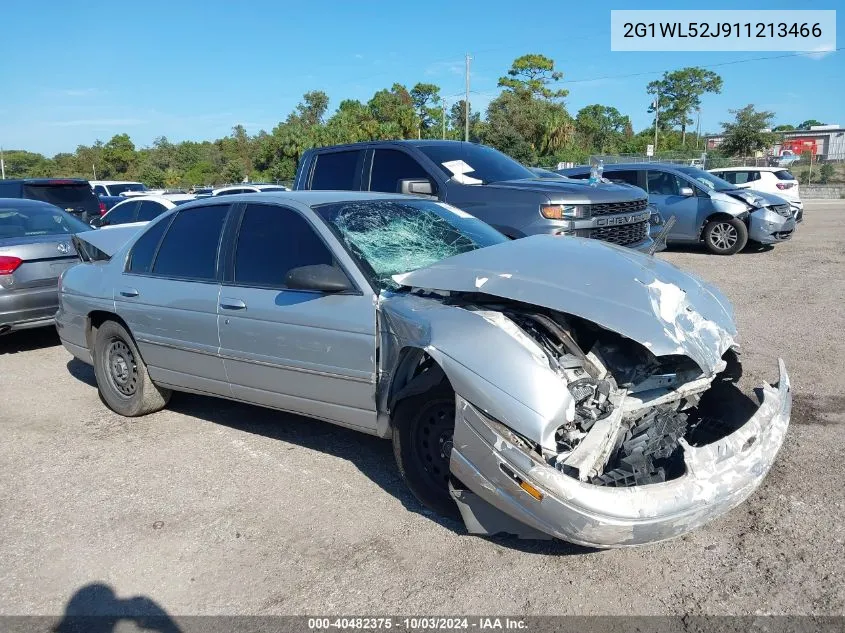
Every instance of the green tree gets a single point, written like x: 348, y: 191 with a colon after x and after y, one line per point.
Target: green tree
x: 601, y: 128
x: 394, y: 111
x: 825, y: 173
x: 426, y: 98
x: 118, y: 156
x: 531, y: 76
x: 745, y: 134
x: 313, y: 107
x: 679, y: 95
x: 783, y: 128
x: 806, y: 125
x: 457, y: 122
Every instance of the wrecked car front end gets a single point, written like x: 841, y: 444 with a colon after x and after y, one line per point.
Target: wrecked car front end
x: 597, y: 405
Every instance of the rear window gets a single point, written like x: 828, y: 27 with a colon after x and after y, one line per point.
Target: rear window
x: 784, y: 174
x: 36, y: 219
x: 123, y: 187
x: 73, y: 196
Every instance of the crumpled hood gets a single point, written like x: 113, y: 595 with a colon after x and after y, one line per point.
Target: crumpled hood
x: 574, y: 191
x: 643, y: 298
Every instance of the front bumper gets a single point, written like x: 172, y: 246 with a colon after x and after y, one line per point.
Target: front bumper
x: 768, y: 227
x: 719, y: 476
x: 28, y: 307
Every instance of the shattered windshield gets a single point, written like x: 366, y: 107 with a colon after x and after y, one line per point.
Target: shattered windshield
x: 390, y: 237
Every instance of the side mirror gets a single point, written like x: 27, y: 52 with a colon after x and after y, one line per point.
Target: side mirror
x: 416, y: 187
x: 96, y: 222
x: 321, y: 277
x: 687, y: 192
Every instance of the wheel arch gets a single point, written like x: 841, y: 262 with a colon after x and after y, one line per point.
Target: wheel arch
x: 95, y: 319
x: 718, y: 215
x: 415, y: 372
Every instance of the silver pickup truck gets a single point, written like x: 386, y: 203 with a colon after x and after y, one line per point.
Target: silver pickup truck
x: 485, y: 183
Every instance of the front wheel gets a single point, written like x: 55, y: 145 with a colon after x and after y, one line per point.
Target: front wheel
x: 122, y: 378
x: 725, y: 236
x: 424, y: 425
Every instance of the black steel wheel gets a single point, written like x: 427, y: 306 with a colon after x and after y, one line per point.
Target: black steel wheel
x: 122, y: 378
x: 423, y: 428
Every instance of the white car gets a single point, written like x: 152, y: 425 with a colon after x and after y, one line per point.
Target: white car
x: 247, y: 188
x: 117, y: 187
x: 776, y: 180
x: 140, y: 209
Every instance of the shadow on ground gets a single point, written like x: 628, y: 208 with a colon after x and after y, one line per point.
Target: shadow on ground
x: 28, y: 340
x: 371, y: 455
x: 95, y: 608
x: 752, y: 248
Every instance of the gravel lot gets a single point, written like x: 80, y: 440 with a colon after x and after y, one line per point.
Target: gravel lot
x: 211, y: 507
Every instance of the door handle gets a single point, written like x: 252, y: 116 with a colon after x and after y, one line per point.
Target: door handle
x: 128, y: 292
x: 232, y: 304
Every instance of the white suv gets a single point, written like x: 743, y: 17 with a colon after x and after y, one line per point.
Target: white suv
x: 776, y: 180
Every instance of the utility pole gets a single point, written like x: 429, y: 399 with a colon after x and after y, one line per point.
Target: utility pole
x: 444, y: 118
x: 94, y: 169
x: 466, y: 104
x: 656, y: 114
x: 698, y: 129
x: 2, y: 164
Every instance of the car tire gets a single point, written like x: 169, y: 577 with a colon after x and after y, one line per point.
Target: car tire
x: 122, y: 378
x: 725, y: 236
x: 423, y: 427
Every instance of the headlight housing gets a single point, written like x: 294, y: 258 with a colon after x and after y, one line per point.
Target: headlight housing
x: 564, y: 211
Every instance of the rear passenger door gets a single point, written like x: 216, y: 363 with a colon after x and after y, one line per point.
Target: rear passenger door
x: 338, y: 171
x: 298, y: 350
x: 168, y: 296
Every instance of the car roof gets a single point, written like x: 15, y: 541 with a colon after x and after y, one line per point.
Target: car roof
x: 399, y: 142
x: 307, y: 198
x: 152, y: 198
x: 115, y: 182
x: 47, y: 181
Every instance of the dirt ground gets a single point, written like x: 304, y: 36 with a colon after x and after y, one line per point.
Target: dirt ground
x: 212, y: 507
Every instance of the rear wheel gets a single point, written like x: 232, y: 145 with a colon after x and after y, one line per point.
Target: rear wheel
x: 424, y: 425
x: 122, y: 378
x: 725, y: 236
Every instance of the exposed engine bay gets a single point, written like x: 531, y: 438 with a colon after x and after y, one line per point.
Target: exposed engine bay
x: 630, y: 409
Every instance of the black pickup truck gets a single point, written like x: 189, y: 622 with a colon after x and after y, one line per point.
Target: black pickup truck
x: 486, y: 183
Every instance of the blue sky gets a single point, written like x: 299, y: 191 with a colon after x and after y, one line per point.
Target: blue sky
x: 76, y: 71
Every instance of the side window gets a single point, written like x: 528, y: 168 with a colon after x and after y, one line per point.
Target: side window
x: 337, y: 170
x: 120, y: 214
x: 149, y: 210
x: 100, y: 190
x: 189, y: 249
x: 10, y: 190
x: 664, y: 184
x: 271, y: 241
x: 730, y: 176
x: 141, y: 256
x: 741, y: 177
x: 390, y: 166
x: 232, y: 192
x: 625, y: 176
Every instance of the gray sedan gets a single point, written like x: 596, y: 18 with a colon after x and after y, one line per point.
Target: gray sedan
x: 548, y: 386
x: 35, y: 248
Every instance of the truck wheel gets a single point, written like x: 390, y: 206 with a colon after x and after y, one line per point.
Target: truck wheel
x: 122, y: 378
x: 423, y: 426
x: 725, y: 236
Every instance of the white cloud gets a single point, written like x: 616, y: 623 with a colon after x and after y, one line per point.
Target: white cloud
x: 457, y: 67
x: 359, y: 56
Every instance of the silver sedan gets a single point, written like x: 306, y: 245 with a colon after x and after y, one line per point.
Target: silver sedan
x: 548, y: 386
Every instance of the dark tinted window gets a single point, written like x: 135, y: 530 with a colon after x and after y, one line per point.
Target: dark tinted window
x: 72, y: 196
x: 232, y: 192
x: 10, y: 189
x: 100, y: 190
x: 627, y: 177
x: 120, y: 214
x: 784, y: 174
x: 728, y: 176
x: 189, y: 250
x: 742, y: 177
x: 149, y: 210
x: 141, y: 257
x: 664, y: 184
x: 337, y: 170
x: 390, y: 166
x: 116, y: 190
x: 271, y: 241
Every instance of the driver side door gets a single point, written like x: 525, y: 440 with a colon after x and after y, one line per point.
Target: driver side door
x: 664, y: 190
x: 303, y: 351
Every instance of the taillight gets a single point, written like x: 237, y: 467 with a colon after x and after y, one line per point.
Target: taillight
x: 8, y: 265
x: 784, y: 185
x: 103, y: 209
